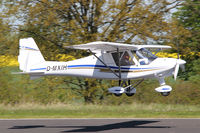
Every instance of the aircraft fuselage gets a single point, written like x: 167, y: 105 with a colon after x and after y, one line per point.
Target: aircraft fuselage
x: 91, y: 67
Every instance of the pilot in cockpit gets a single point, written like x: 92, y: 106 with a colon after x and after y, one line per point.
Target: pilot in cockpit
x: 125, y: 59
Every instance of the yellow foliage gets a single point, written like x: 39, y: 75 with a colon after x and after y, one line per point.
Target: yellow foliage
x: 166, y: 55
x: 64, y: 57
x: 172, y: 55
x: 7, y: 60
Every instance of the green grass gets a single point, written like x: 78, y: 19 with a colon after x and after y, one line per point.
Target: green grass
x: 99, y: 111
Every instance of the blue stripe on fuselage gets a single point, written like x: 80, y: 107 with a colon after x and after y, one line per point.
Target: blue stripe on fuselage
x: 102, y: 66
x: 38, y: 69
x: 97, y: 66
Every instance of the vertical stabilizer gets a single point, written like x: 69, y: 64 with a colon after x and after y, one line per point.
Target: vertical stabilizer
x: 29, y: 54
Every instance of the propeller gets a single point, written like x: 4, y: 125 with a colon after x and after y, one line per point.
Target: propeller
x: 182, y: 67
x: 179, y: 63
x: 176, y: 70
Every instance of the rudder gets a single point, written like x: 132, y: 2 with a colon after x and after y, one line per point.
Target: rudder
x: 29, y: 54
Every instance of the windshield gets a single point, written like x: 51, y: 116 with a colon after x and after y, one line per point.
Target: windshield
x: 144, y: 53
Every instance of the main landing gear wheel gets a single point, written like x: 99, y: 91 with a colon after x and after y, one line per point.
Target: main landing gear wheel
x: 117, y: 94
x: 130, y: 94
x: 165, y: 93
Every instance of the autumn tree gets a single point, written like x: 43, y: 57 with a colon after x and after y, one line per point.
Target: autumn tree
x: 6, y: 39
x: 71, y: 22
x: 188, y: 16
x: 57, y: 23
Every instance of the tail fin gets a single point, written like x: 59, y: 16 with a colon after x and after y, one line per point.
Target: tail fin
x: 29, y: 54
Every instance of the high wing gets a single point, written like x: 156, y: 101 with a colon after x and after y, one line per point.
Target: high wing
x: 111, y: 46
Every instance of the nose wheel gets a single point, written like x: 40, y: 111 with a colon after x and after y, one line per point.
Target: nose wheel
x: 164, y: 89
x: 165, y: 93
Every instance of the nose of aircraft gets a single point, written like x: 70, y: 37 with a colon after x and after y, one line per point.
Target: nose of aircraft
x: 180, y: 62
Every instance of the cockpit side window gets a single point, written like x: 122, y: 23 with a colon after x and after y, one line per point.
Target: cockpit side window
x: 125, y: 59
x: 115, y: 57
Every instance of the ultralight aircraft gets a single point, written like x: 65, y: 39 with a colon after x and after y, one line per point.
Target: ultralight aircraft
x: 108, y: 60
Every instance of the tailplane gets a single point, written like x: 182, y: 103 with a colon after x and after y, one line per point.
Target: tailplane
x: 29, y: 54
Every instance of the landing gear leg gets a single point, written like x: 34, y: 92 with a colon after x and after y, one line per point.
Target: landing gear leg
x: 129, y: 89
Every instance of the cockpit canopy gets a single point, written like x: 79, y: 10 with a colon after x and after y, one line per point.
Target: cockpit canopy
x: 145, y: 56
x: 127, y: 58
x: 144, y: 53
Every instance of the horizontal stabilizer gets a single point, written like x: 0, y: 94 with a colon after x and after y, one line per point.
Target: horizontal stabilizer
x: 29, y: 73
x: 33, y: 75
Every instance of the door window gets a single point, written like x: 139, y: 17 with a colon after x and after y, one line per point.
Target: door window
x: 125, y: 58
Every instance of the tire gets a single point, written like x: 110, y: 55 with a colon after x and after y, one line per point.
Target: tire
x: 130, y: 94
x: 165, y: 93
x: 117, y: 94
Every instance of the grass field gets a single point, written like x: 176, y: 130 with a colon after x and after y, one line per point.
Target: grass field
x: 99, y: 111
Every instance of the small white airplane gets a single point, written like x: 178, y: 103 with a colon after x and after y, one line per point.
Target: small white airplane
x: 115, y: 61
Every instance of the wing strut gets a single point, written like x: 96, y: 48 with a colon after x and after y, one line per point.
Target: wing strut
x: 119, y: 63
x: 119, y: 76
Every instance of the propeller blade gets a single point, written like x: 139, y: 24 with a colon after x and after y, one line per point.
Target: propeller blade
x: 176, y: 71
x: 182, y: 67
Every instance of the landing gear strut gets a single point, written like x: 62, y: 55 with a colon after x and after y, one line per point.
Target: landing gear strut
x: 130, y: 91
